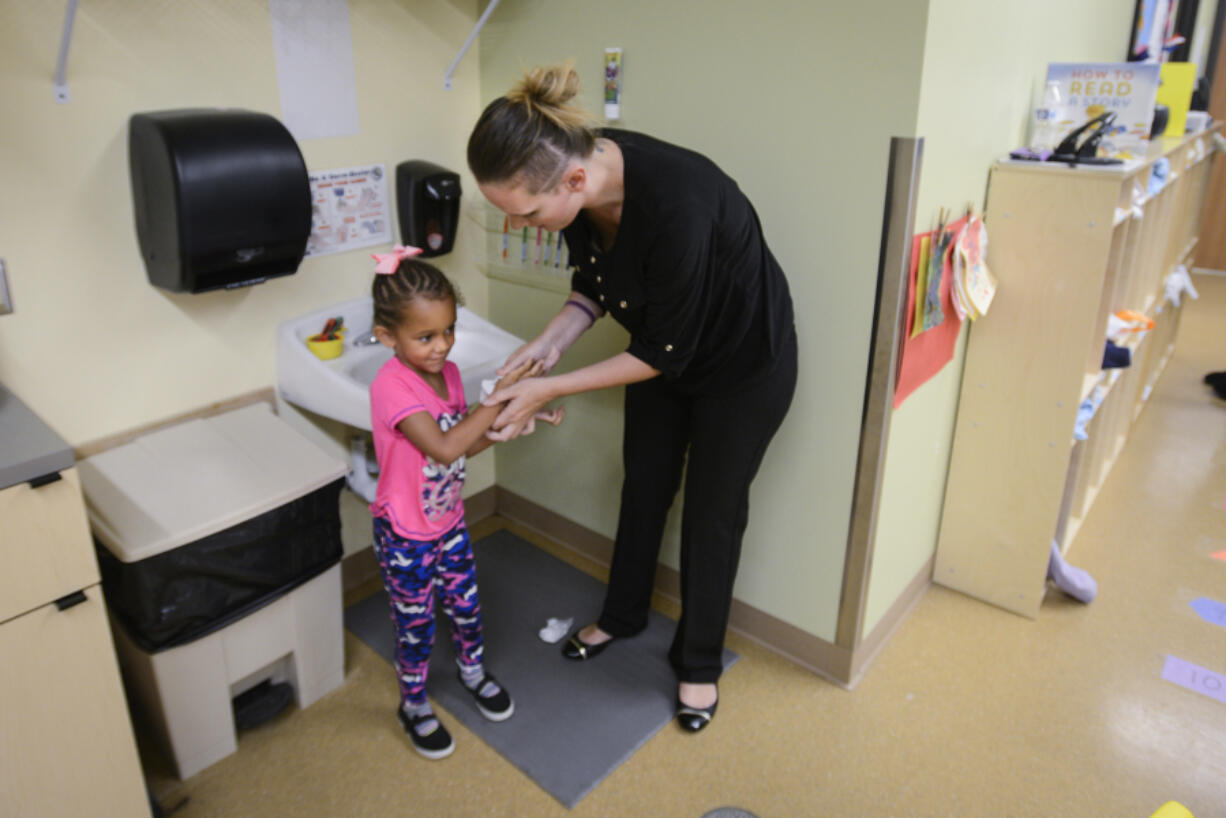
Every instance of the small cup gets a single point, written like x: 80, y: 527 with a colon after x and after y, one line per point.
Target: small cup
x: 326, y: 350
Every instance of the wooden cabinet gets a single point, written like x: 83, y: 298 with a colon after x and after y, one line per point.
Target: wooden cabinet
x: 66, y: 743
x: 1069, y: 247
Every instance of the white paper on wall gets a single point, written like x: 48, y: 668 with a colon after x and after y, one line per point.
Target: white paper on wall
x: 315, y: 75
x: 349, y: 209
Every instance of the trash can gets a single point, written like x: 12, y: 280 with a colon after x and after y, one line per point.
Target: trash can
x: 219, y: 544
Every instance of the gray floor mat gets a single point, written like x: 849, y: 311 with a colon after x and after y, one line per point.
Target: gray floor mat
x: 574, y: 722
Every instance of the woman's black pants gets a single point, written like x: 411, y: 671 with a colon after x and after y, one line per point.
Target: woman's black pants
x: 726, y: 436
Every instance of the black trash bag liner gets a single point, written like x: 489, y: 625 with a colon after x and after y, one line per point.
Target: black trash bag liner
x: 188, y: 592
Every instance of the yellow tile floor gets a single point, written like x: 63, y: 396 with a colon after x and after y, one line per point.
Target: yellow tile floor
x: 968, y: 710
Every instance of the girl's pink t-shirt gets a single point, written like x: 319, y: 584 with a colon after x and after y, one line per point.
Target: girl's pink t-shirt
x: 419, y: 497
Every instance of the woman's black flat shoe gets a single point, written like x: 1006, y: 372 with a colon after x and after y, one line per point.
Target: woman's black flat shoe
x: 693, y: 719
x: 575, y: 648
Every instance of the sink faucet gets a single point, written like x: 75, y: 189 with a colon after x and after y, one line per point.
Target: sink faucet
x: 365, y: 340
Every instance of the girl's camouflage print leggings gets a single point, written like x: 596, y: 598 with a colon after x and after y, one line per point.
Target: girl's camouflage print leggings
x: 412, y: 570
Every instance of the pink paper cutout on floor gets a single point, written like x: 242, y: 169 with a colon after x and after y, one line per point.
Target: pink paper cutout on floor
x: 1220, y: 555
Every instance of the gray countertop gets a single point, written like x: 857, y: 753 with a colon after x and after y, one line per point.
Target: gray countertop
x: 28, y: 447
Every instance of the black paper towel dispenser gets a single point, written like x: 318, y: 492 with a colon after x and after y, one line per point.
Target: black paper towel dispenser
x: 221, y: 197
x: 428, y: 201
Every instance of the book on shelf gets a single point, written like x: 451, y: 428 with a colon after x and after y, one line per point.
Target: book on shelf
x: 1075, y: 93
x: 1175, y: 92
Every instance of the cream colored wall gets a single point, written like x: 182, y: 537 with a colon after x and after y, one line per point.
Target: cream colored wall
x: 92, y: 347
x: 984, y: 67
x: 797, y: 102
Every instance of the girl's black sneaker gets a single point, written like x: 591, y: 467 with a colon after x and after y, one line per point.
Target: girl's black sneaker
x: 494, y: 706
x: 435, y: 744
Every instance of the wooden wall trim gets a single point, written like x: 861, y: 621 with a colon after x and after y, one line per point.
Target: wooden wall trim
x: 871, y: 645
x: 794, y: 644
x: 565, y: 532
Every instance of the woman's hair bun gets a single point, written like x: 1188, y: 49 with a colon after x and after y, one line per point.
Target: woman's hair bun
x: 549, y: 86
x: 533, y: 131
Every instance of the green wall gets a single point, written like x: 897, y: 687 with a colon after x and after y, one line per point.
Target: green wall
x: 797, y: 102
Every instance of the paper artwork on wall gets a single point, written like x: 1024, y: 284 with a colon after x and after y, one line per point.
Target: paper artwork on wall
x: 349, y: 209
x: 315, y: 75
x: 926, y: 351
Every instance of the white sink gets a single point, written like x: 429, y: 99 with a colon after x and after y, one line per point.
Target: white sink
x: 338, y: 388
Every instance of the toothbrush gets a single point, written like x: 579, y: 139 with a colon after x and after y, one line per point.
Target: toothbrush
x: 538, y: 246
x: 506, y: 227
x: 557, y: 258
x: 548, y: 245
x: 523, y: 247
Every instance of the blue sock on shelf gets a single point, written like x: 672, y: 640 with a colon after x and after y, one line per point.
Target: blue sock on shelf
x: 1116, y: 357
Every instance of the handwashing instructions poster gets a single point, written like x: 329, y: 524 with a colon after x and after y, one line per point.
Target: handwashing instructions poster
x: 349, y: 209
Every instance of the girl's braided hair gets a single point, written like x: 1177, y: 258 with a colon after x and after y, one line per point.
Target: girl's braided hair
x: 392, y: 293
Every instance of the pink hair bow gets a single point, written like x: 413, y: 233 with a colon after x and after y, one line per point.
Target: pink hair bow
x: 386, y: 263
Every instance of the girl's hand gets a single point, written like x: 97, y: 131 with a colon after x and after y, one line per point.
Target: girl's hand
x: 523, y: 400
x: 553, y: 417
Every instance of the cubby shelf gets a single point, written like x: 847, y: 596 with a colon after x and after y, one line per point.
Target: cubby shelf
x: 1069, y: 247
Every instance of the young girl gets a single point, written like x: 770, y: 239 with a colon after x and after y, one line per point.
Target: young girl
x: 422, y: 436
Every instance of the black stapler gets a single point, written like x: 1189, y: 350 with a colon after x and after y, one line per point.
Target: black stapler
x: 1081, y: 146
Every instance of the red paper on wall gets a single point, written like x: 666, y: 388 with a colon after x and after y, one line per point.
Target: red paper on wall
x: 924, y: 355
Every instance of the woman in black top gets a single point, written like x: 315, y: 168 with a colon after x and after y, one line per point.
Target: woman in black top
x: 667, y: 244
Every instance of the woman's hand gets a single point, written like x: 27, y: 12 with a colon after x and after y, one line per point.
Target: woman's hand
x: 540, y: 350
x: 574, y: 319
x: 524, y: 400
x: 527, y: 368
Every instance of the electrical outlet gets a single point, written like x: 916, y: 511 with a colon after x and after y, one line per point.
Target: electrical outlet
x: 6, y: 301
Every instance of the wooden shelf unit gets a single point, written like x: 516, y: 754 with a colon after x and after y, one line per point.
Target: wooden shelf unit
x: 1069, y: 247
